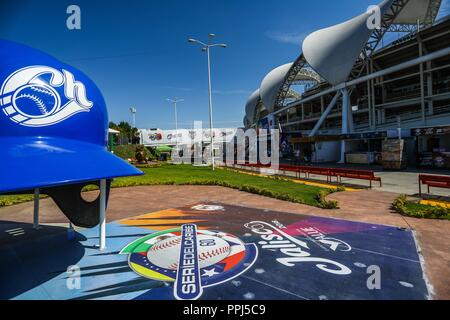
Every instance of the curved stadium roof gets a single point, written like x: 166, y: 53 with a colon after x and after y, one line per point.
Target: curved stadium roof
x: 271, y: 85
x: 250, y: 107
x: 274, y: 80
x: 332, y: 52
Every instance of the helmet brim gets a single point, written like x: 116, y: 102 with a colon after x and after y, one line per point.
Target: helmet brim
x: 30, y: 163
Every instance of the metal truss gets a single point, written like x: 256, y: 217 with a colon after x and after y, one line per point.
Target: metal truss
x: 404, y: 39
x: 297, y: 67
x: 293, y: 95
x: 388, y: 20
x: 432, y: 12
x: 407, y: 28
x: 308, y: 73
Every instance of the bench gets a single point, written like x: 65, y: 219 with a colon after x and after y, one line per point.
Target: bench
x: 306, y: 170
x: 290, y: 168
x: 328, y: 172
x: 356, y: 174
x: 433, y: 181
x: 317, y: 171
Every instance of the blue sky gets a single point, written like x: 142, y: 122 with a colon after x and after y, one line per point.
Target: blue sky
x: 137, y: 51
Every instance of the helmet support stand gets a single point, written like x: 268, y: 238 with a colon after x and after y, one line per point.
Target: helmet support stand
x: 36, y: 209
x: 102, y: 213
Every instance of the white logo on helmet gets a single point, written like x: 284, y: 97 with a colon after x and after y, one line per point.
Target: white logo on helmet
x: 30, y: 101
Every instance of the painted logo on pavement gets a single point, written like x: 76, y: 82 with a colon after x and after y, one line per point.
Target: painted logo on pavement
x: 191, y: 259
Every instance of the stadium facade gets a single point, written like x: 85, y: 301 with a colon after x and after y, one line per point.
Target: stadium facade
x: 351, y: 89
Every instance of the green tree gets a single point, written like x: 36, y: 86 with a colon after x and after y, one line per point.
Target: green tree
x: 113, y: 126
x: 127, y: 132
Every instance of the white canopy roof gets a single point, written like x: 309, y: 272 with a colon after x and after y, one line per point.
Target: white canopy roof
x: 271, y: 85
x: 332, y: 52
x: 273, y: 82
x: 252, y: 103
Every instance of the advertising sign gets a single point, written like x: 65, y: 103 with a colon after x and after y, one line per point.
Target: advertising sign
x: 183, y: 136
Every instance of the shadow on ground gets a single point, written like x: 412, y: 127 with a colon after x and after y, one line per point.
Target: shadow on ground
x: 29, y: 258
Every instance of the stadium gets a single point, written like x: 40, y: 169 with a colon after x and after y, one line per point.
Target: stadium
x: 352, y: 88
x: 92, y: 208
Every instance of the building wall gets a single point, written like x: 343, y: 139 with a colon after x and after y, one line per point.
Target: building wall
x: 327, y: 152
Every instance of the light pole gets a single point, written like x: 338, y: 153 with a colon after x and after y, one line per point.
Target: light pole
x: 206, y: 48
x: 175, y: 102
x: 133, y: 114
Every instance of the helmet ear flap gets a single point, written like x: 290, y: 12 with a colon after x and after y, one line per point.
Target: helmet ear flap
x: 79, y: 211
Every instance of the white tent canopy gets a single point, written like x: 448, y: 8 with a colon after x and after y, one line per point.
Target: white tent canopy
x: 112, y: 131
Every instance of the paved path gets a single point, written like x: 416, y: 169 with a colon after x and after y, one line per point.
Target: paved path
x: 365, y: 206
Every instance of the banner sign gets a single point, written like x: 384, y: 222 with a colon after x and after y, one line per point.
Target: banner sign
x: 432, y: 131
x: 183, y: 136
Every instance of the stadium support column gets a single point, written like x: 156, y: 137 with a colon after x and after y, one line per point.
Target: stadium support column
x: 322, y: 104
x: 430, y: 88
x: 325, y: 114
x: 345, y: 110
x: 351, y: 127
x: 369, y: 100
x: 422, y: 88
x: 372, y: 98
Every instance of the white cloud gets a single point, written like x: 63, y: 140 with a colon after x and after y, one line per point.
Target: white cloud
x: 185, y: 89
x: 231, y: 92
x: 288, y: 37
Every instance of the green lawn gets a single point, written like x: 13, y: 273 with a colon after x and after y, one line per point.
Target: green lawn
x: 188, y: 175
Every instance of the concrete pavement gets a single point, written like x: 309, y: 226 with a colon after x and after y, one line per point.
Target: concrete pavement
x: 433, y: 236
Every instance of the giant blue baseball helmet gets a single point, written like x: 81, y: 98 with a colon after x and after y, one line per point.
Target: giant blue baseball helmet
x: 53, y: 128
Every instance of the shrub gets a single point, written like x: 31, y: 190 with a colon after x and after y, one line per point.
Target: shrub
x: 131, y: 151
x: 153, y: 154
x: 125, y: 151
x: 416, y: 210
x: 141, y: 154
x: 324, y: 203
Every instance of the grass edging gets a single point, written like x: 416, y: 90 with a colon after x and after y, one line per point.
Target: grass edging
x: 421, y: 211
x: 277, y: 188
x: 6, y: 201
x: 320, y: 198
